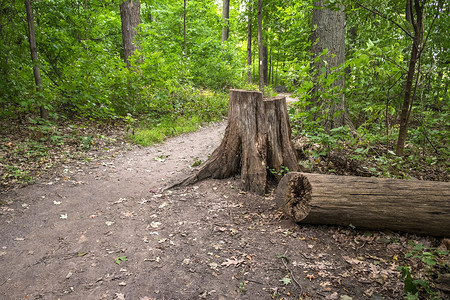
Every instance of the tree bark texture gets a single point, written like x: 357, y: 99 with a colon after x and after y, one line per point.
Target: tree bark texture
x: 130, y: 15
x: 225, y: 17
x: 260, y: 47
x: 257, y: 137
x: 329, y: 33
x: 184, y: 28
x: 249, y: 43
x: 34, y: 55
x: 266, y: 63
x: 414, y: 206
x: 417, y: 23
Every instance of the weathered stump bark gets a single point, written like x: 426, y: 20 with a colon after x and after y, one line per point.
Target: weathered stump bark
x: 415, y: 206
x: 257, y: 137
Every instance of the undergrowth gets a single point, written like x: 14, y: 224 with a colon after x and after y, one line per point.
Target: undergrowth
x: 196, y: 109
x: 372, y: 147
x: 30, y: 146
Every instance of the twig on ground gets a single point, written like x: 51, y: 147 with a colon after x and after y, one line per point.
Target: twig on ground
x: 284, y: 259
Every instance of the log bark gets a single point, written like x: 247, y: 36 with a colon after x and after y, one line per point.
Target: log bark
x: 415, y: 206
x: 256, y: 143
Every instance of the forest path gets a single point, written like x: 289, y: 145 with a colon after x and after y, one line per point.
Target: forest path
x: 104, y: 230
x: 289, y: 97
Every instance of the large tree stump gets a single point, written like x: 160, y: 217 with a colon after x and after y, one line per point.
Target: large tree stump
x: 414, y: 206
x: 257, y: 138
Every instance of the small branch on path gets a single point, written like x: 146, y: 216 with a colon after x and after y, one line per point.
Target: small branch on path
x: 284, y: 259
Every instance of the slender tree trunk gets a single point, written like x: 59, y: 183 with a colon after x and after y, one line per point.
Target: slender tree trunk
x: 225, y: 17
x: 34, y: 56
x: 266, y: 61
x: 253, y: 64
x: 130, y: 14
x: 260, y: 47
x: 276, y: 69
x: 329, y: 34
x: 270, y: 67
x: 415, y: 56
x: 249, y: 43
x: 184, y: 29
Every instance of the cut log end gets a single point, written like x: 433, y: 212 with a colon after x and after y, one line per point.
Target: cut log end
x: 421, y: 207
x: 293, y: 195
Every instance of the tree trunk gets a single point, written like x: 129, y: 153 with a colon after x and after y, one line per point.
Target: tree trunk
x: 260, y: 47
x: 329, y: 34
x: 270, y: 68
x: 421, y: 207
x: 276, y: 69
x: 415, y: 55
x: 256, y: 143
x: 249, y: 44
x: 34, y: 57
x: 266, y: 61
x: 225, y: 17
x: 130, y: 14
x: 184, y: 29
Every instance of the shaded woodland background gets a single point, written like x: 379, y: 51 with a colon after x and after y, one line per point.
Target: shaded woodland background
x: 371, y: 77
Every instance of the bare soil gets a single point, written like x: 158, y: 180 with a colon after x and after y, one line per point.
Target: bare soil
x: 107, y: 230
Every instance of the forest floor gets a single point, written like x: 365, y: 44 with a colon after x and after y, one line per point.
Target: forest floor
x: 103, y: 228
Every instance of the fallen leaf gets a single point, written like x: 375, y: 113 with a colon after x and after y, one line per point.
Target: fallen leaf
x: 128, y: 214
x: 311, y: 277
x: 285, y: 280
x: 155, y: 224
x: 352, y: 261
x: 213, y: 265
x: 120, y: 200
x: 333, y: 296
x: 234, y: 262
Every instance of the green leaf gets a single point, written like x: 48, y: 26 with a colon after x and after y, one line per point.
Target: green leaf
x: 283, y: 257
x: 429, y: 260
x: 285, y: 280
x: 121, y: 259
x: 419, y: 247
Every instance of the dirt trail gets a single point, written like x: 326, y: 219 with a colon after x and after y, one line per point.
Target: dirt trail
x: 105, y: 231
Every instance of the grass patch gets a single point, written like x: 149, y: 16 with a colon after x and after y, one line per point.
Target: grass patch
x: 168, y: 127
x: 193, y: 110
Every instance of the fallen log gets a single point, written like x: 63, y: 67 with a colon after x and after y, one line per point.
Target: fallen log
x: 414, y: 206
